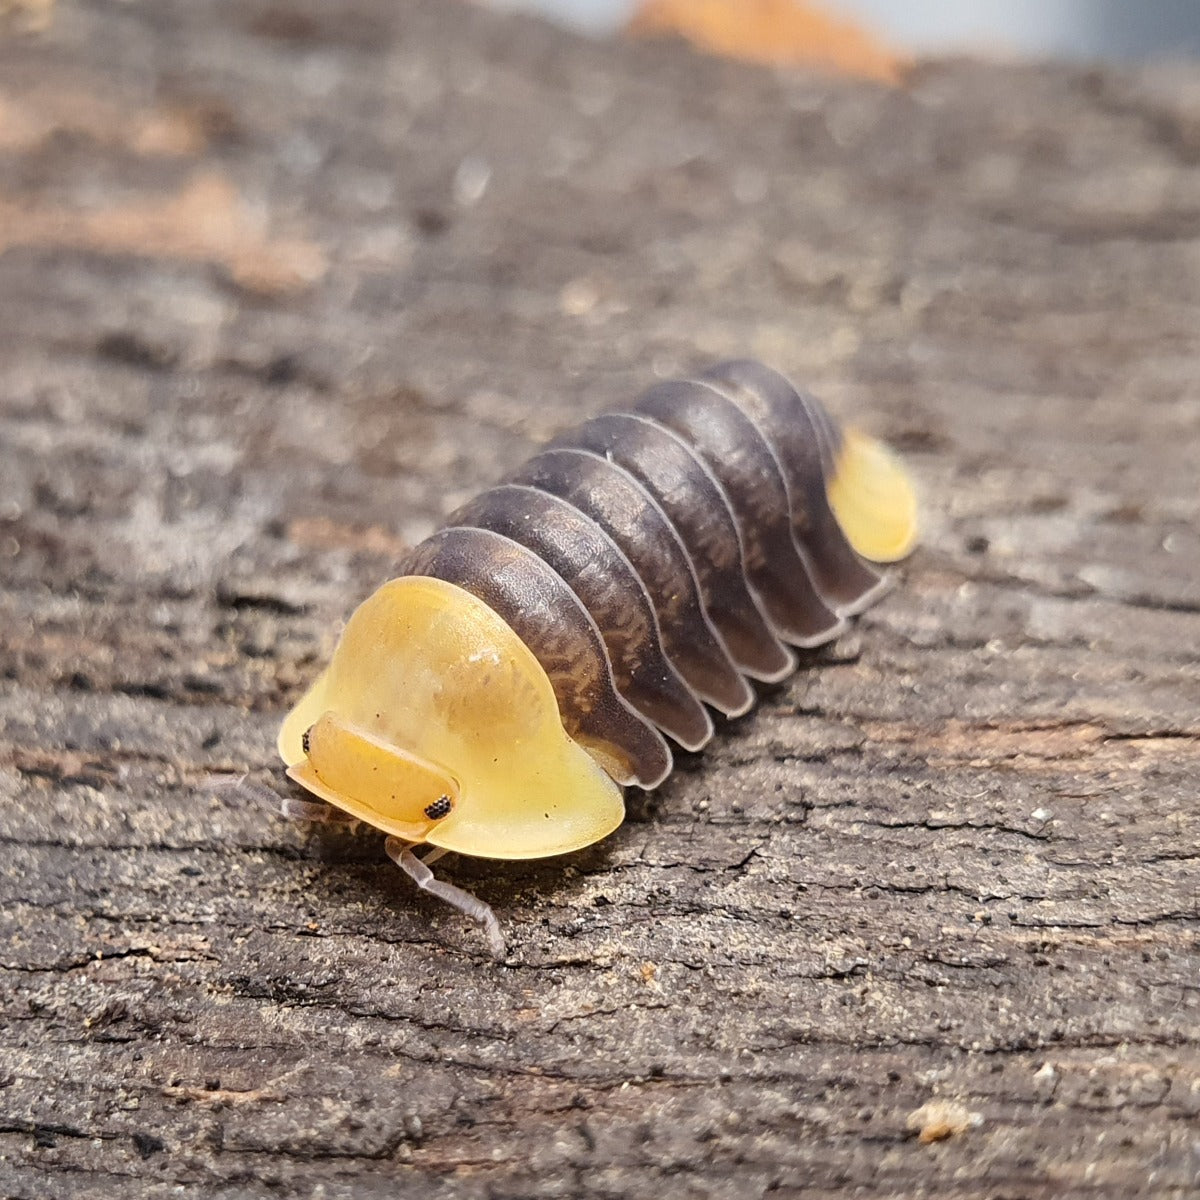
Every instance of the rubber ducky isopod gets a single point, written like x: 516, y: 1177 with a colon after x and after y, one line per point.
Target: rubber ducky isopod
x: 533, y: 657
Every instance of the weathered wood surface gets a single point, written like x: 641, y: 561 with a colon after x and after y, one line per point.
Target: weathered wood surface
x: 280, y: 284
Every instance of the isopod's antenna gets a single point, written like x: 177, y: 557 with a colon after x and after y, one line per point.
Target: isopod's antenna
x: 293, y: 808
x: 401, y: 854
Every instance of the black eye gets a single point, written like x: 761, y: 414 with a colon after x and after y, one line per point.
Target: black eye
x: 305, y: 741
x: 439, y: 808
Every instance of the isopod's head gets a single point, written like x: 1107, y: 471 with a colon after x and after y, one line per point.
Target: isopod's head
x: 436, y: 723
x: 873, y: 499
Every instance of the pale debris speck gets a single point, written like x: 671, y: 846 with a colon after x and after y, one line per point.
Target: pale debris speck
x: 578, y: 298
x: 471, y: 180
x: 937, y: 1120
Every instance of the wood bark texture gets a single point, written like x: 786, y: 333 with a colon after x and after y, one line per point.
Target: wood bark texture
x: 281, y: 284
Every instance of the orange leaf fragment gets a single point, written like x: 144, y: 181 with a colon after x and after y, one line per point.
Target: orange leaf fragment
x: 773, y: 31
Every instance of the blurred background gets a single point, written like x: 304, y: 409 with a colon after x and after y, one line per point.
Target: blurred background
x: 1068, y: 28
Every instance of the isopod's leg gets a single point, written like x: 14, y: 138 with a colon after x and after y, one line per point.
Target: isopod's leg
x: 434, y: 854
x: 424, y: 878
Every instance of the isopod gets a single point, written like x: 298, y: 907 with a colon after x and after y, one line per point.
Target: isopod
x: 534, y: 656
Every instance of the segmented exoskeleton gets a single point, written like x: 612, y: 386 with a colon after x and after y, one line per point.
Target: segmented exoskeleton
x: 530, y: 656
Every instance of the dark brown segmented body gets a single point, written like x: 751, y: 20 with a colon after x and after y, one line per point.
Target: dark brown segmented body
x: 652, y: 560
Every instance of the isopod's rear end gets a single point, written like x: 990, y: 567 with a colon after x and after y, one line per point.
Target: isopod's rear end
x: 803, y: 438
